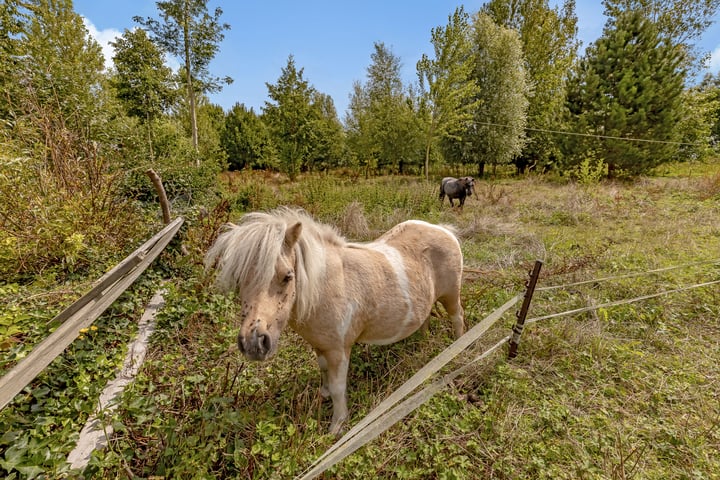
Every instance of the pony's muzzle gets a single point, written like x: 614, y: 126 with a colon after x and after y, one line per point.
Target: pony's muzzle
x: 256, y: 346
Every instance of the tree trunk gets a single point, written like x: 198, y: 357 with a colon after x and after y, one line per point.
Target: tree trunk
x: 190, y: 89
x: 430, y: 133
x: 148, y: 121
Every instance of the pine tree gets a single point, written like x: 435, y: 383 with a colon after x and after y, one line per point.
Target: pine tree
x: 629, y: 85
x: 299, y: 118
x: 328, y: 149
x: 246, y: 140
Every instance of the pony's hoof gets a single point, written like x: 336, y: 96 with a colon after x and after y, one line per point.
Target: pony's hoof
x: 337, y: 424
x: 337, y: 429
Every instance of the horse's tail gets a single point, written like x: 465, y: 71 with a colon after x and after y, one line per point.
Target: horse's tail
x: 453, y: 229
x: 442, y: 193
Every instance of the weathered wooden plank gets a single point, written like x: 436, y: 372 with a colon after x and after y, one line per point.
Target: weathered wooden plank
x: 92, y: 305
x: 96, y: 431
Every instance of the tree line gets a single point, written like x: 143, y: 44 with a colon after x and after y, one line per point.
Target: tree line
x: 505, y: 85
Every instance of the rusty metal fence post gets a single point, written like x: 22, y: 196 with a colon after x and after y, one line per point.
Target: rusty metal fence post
x: 522, y: 313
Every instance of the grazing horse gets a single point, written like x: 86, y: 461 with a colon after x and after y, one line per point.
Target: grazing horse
x: 288, y: 269
x: 456, y: 188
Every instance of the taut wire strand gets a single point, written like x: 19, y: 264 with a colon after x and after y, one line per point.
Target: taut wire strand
x: 619, y: 302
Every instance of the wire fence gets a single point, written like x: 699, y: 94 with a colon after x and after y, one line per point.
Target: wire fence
x: 399, y: 404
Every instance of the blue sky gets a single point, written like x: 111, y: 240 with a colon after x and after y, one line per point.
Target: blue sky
x: 332, y: 40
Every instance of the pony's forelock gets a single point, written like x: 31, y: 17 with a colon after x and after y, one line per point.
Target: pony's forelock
x: 245, y: 254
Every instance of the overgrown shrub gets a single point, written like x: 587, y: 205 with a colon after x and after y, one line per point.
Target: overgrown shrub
x: 61, y: 219
x: 185, y: 175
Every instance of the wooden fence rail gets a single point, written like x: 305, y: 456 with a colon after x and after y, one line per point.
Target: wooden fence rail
x: 84, y: 312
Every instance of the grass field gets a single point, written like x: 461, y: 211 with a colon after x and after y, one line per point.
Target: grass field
x: 622, y: 392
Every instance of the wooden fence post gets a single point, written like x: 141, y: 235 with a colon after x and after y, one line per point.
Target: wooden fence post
x: 522, y: 314
x: 164, y: 204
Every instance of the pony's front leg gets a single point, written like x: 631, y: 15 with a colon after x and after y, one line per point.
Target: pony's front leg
x: 334, y: 377
x: 322, y: 364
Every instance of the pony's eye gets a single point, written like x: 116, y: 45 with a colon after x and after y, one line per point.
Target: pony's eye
x: 288, y: 277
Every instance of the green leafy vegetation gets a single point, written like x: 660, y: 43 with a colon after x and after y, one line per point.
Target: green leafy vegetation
x: 614, y: 393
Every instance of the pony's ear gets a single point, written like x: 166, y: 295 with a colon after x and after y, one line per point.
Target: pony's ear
x: 291, y: 235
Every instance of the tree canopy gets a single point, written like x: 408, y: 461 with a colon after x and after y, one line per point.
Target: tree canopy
x: 189, y: 32
x: 381, y: 122
x: 447, y: 87
x: 630, y: 86
x: 549, y: 44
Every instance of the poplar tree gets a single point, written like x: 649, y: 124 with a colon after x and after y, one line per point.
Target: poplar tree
x: 189, y: 32
x: 497, y: 132
x: 446, y: 83
x: 710, y: 86
x: 358, y: 127
x: 549, y: 44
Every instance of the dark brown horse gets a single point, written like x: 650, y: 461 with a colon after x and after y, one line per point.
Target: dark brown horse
x: 456, y: 188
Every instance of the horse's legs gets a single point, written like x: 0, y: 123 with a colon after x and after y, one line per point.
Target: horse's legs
x: 455, y: 312
x: 425, y: 327
x: 335, y: 383
x: 322, y: 363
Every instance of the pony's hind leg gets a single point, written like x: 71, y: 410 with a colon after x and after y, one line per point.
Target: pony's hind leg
x: 456, y: 313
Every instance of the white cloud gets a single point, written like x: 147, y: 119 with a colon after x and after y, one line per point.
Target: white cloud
x: 103, y: 37
x: 713, y: 63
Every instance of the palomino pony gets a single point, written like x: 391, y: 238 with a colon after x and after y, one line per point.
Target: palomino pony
x: 288, y: 269
x: 456, y: 188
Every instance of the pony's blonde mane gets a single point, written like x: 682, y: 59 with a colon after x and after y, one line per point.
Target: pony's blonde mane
x: 245, y: 254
